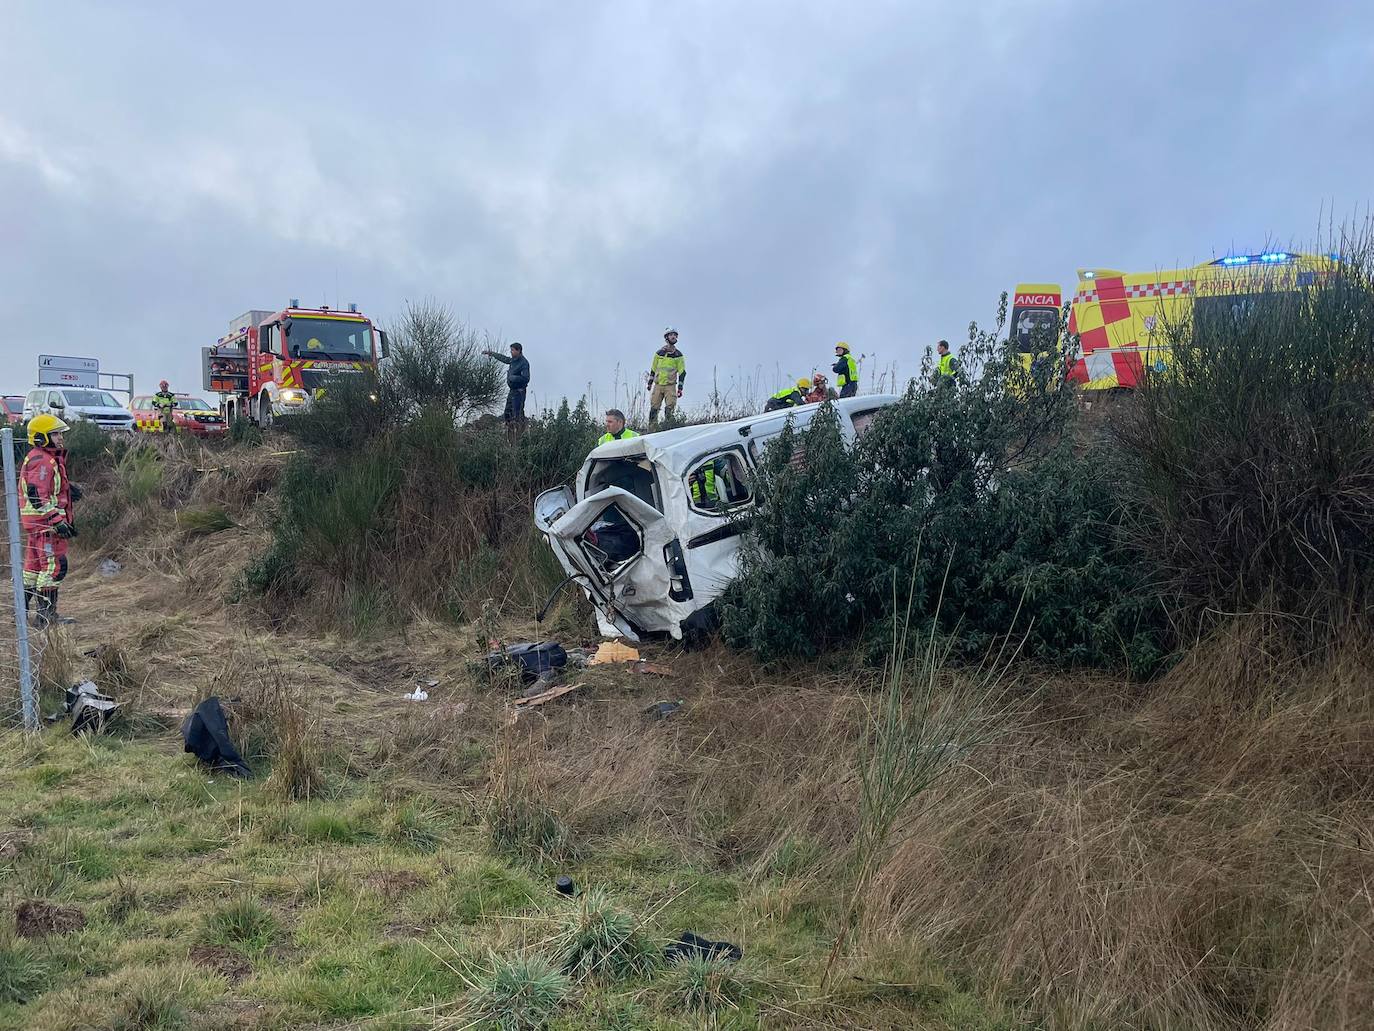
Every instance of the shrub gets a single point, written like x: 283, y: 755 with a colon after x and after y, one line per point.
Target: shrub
x: 242, y: 924
x: 139, y: 471
x: 709, y: 985
x: 87, y: 445
x: 246, y: 432
x: 600, y: 940
x: 1248, y: 471
x: 521, y: 993
x: 975, y: 488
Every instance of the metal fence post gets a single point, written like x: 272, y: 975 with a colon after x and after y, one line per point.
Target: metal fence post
x: 21, y: 618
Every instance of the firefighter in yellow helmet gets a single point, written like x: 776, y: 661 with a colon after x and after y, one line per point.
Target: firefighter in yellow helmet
x: 846, y: 371
x: 789, y: 397
x: 46, y: 516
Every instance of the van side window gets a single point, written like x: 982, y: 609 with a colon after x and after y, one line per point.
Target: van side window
x: 719, y: 483
x: 797, y: 461
x: 54, y: 398
x: 862, y: 421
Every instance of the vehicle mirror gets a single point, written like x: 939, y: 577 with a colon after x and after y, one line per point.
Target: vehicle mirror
x: 385, y: 346
x: 57, y: 402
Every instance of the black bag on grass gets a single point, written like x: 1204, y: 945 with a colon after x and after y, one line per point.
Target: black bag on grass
x: 533, y: 660
x: 206, y: 733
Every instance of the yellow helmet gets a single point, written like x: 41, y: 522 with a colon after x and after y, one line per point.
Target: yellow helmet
x: 842, y: 346
x: 803, y: 384
x: 44, y: 426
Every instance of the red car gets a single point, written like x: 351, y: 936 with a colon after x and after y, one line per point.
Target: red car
x: 14, y: 410
x: 191, y: 415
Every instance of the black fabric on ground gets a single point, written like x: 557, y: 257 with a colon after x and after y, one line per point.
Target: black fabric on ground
x: 206, y: 733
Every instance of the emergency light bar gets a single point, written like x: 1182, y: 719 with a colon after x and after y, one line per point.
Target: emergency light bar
x: 1268, y: 258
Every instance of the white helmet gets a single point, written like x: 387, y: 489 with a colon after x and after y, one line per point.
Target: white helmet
x: 669, y: 329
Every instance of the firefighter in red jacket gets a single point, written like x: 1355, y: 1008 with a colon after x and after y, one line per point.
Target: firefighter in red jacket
x: 46, y: 516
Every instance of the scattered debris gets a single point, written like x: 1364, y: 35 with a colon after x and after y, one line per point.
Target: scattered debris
x: 614, y: 651
x: 689, y: 944
x: 418, y: 695
x: 40, y: 919
x: 226, y: 962
x: 523, y: 705
x: 206, y: 733
x: 431, y: 683
x: 109, y: 567
x: 88, y: 708
x: 533, y: 660
x: 655, y: 668
x: 662, y: 710
x: 564, y: 886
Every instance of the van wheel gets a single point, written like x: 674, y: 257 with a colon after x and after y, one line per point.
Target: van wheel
x: 265, y: 412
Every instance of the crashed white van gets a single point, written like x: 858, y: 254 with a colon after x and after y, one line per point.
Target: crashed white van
x: 650, y: 531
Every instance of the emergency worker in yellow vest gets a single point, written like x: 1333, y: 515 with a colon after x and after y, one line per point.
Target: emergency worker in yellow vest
x: 846, y: 371
x: 789, y: 397
x: 667, y: 376
x: 165, y: 402
x: 945, y: 366
x: 705, y: 493
x: 615, y: 427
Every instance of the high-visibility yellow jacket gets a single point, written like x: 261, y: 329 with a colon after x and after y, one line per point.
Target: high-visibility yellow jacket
x: 668, y: 370
x: 624, y: 434
x: 846, y: 370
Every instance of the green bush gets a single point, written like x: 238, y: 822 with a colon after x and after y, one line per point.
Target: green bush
x: 1248, y: 471
x: 139, y: 471
x: 972, y: 489
x: 246, y: 432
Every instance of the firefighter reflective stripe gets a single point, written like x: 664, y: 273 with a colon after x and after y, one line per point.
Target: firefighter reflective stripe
x: 850, y: 373
x: 45, y: 559
x: 668, y: 369
x: 41, y: 480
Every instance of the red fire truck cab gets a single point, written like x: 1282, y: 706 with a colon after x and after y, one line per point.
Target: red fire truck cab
x: 274, y: 363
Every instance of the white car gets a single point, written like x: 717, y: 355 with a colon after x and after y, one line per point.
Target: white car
x: 71, y: 403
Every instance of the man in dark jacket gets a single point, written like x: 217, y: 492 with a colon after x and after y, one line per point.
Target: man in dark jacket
x: 517, y: 380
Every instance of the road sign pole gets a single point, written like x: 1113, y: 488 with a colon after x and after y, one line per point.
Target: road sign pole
x: 21, y: 616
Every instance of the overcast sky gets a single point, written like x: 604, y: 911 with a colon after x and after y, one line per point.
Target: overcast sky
x: 768, y: 177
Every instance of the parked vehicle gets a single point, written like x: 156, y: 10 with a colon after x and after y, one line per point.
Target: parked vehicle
x: 650, y: 530
x: 14, y: 409
x: 274, y: 363
x: 1120, y: 318
x: 192, y: 415
x: 69, y: 403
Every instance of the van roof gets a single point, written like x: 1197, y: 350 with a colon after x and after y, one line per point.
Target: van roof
x: 690, y: 441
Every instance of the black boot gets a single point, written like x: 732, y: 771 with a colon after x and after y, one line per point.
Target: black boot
x: 49, y: 610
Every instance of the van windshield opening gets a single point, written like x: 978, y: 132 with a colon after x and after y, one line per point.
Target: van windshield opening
x: 635, y: 475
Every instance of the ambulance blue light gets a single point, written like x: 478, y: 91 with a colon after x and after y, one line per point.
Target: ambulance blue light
x: 1274, y: 256
x: 1235, y: 259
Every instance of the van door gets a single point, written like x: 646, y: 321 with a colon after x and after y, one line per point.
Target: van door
x: 612, y: 538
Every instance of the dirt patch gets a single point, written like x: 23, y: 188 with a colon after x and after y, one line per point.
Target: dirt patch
x: 39, y: 919
x: 225, y: 962
x: 13, y: 843
x: 392, y: 884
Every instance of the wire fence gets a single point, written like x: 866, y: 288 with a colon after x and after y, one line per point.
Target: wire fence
x: 18, y: 693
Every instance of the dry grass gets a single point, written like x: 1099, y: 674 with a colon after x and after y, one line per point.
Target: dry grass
x: 1197, y: 854
x: 1193, y: 854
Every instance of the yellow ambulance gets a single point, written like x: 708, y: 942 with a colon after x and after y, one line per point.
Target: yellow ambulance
x: 1120, y: 318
